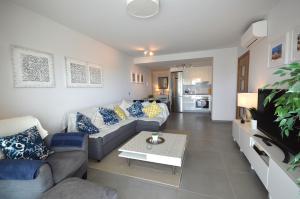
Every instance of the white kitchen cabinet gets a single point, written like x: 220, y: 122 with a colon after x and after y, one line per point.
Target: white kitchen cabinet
x: 197, y: 74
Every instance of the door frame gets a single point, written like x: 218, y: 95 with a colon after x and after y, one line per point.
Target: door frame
x: 237, y: 79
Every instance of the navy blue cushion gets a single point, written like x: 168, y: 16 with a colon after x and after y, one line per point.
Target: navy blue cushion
x: 136, y: 109
x: 25, y: 145
x: 109, y: 116
x: 67, y: 139
x: 19, y: 169
x: 85, y: 125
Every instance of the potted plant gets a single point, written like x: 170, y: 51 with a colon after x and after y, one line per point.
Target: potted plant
x: 287, y: 105
x: 253, y: 112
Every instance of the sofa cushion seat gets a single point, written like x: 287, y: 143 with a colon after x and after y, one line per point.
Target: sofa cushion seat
x: 65, y: 164
x: 159, y: 120
x: 110, y: 129
x: 122, y: 130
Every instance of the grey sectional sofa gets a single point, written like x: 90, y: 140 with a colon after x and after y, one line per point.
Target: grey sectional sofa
x: 65, y: 162
x: 111, y: 137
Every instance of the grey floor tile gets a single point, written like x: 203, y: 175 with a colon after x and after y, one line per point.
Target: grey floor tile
x: 236, y: 162
x: 247, y: 186
x: 184, y: 194
x: 210, y: 182
x: 203, y: 160
x: 214, y: 168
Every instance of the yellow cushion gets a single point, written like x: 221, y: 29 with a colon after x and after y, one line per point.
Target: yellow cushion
x: 119, y: 111
x: 152, y: 110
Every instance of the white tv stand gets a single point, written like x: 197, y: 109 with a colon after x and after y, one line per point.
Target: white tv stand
x: 273, y: 173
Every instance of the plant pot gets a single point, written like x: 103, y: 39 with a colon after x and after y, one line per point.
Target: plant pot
x: 254, y: 124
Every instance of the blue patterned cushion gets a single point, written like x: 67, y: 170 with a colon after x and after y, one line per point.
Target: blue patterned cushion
x: 85, y: 125
x: 109, y: 116
x: 25, y: 145
x: 136, y: 109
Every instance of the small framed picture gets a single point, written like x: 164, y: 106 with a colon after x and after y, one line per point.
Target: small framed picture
x: 142, y: 78
x: 163, y: 82
x: 32, y: 68
x: 133, y: 77
x: 295, y: 44
x: 278, y: 51
x: 138, y: 78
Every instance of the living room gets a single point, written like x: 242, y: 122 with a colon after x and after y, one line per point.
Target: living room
x: 107, y: 70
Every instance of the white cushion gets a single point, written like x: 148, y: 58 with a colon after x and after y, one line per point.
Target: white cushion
x: 19, y: 124
x: 106, y: 129
x: 124, y: 105
x: 91, y: 113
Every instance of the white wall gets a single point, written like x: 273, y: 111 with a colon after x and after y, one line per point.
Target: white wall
x: 224, y: 77
x: 282, y: 18
x: 139, y: 91
x: 25, y: 28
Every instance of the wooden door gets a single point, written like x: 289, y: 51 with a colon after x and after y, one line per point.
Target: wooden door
x: 242, y: 78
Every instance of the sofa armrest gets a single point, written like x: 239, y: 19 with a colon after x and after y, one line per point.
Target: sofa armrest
x: 60, y: 142
x: 19, y: 169
x: 28, y: 189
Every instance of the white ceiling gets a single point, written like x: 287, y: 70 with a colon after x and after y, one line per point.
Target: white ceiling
x: 181, y: 25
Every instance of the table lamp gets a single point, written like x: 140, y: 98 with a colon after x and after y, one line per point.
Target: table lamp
x: 247, y: 101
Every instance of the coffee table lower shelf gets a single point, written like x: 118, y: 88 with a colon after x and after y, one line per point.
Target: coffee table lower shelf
x: 150, y: 158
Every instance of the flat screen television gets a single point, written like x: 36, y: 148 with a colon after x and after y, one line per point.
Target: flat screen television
x: 266, y: 123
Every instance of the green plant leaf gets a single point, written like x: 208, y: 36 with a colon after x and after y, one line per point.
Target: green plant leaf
x: 295, y: 88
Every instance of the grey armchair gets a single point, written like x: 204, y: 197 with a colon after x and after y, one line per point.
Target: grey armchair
x: 69, y: 159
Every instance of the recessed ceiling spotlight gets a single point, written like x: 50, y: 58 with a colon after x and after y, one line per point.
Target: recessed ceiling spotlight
x: 143, y: 8
x: 150, y: 53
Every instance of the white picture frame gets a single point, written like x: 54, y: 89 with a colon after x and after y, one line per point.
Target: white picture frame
x: 295, y: 45
x: 142, y: 78
x: 278, y: 51
x: 138, y: 78
x: 82, y: 74
x: 32, y: 68
x: 133, y: 77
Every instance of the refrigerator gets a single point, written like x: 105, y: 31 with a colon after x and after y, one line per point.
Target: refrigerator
x: 176, y: 91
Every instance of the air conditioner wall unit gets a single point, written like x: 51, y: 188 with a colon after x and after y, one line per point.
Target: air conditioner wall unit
x: 255, y: 32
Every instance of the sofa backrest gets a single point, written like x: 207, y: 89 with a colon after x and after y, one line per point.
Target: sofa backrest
x: 18, y: 124
x: 89, y: 112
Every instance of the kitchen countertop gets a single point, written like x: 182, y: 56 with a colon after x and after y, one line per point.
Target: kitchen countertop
x: 198, y: 94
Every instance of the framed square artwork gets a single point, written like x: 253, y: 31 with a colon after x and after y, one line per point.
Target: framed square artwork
x: 83, y: 74
x: 32, y: 68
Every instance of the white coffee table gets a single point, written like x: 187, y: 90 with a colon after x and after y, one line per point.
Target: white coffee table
x: 171, y: 152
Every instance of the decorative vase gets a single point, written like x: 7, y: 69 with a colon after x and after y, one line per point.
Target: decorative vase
x: 154, y: 138
x: 254, y: 124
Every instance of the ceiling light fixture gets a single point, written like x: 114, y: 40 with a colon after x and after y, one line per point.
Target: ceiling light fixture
x: 150, y: 53
x: 143, y: 8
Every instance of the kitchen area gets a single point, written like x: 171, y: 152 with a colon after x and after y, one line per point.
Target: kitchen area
x: 185, y: 86
x: 191, y: 88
